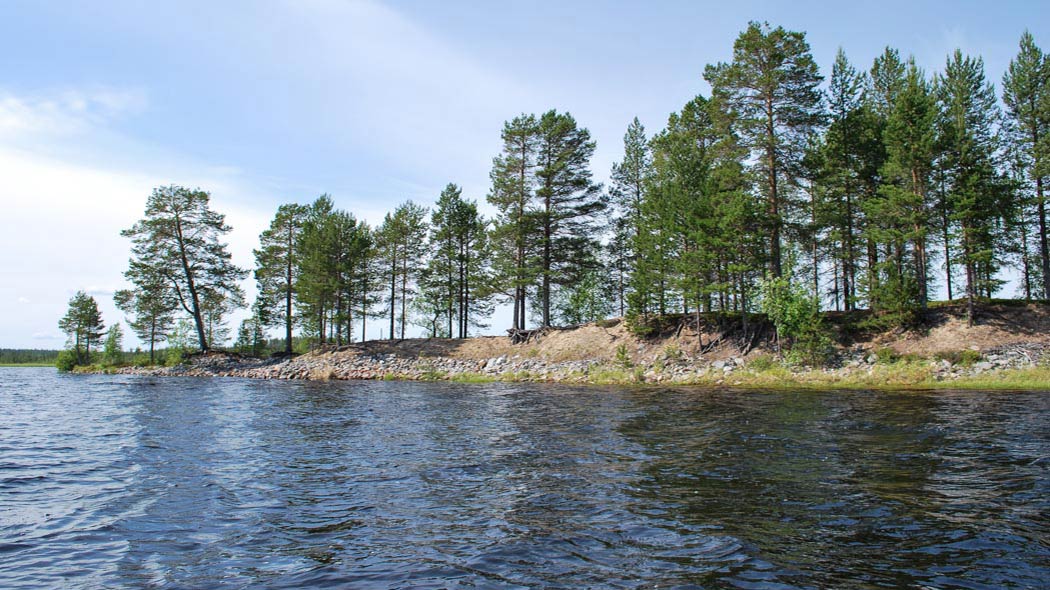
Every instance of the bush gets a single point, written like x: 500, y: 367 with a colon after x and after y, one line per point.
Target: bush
x: 672, y: 352
x: 762, y: 363
x: 965, y: 358
x: 623, y: 358
x: 796, y: 316
x: 173, y: 357
x: 66, y: 361
x: 885, y: 356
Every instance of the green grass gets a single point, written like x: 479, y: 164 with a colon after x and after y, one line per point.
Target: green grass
x: 50, y: 364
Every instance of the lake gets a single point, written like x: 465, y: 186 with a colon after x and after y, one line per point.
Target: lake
x: 115, y: 481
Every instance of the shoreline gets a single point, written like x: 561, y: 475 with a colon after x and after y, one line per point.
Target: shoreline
x: 1020, y: 367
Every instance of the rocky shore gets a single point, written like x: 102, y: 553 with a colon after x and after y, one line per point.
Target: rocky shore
x: 857, y: 365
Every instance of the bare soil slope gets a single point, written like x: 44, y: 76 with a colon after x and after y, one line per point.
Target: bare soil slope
x: 942, y: 328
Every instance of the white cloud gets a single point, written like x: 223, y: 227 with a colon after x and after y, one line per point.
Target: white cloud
x: 69, y: 112
x: 63, y: 214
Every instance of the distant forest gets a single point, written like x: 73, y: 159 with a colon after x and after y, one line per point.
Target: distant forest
x: 873, y: 188
x: 23, y: 356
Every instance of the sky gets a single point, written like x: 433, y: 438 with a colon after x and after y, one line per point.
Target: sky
x: 274, y: 101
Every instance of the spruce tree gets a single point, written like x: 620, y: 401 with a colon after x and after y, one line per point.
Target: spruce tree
x: 627, y: 192
x: 910, y: 140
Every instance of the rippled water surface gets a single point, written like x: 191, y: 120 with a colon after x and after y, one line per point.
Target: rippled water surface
x: 195, y: 483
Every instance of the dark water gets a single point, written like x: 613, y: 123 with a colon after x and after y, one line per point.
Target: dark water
x: 180, y: 483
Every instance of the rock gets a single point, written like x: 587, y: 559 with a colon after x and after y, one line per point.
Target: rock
x: 983, y: 366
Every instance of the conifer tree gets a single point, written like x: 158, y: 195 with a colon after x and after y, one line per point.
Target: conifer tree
x: 179, y: 240
x: 840, y: 179
x: 627, y: 193
x: 150, y: 310
x: 1026, y: 93
x: 276, y: 267
x: 910, y: 140
x: 977, y: 195
x: 771, y: 88
x: 513, y: 181
x: 316, y: 284
x: 83, y: 325
x: 457, y: 266
x: 402, y: 241
x: 113, y: 347
x: 568, y: 205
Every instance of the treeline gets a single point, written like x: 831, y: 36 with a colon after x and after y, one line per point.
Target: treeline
x: 872, y: 192
x: 26, y: 356
x: 877, y: 190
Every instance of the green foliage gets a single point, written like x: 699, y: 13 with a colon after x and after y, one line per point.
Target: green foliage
x: 66, y: 360
x: 762, y: 363
x: 771, y: 88
x: 177, y: 248
x: 456, y: 283
x: 18, y: 356
x: 623, y: 357
x: 113, y: 349
x: 278, y: 264
x: 174, y: 357
x: 402, y: 245
x: 586, y: 301
x: 83, y: 326
x: 964, y: 358
x: 796, y: 316
x: 672, y: 352
x: 885, y: 355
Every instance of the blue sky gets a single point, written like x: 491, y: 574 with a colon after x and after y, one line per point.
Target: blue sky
x: 268, y: 102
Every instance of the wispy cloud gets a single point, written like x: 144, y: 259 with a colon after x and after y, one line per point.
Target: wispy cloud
x: 24, y: 300
x: 69, y: 112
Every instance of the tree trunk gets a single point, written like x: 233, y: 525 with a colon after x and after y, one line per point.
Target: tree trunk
x: 393, y: 290
x: 774, y: 201
x: 1044, y: 247
x: 190, y: 284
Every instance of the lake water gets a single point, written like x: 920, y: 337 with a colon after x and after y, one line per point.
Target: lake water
x: 112, y: 481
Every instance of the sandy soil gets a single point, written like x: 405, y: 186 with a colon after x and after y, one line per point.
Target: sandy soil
x: 944, y: 329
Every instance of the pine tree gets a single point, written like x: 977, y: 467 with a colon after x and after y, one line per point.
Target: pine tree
x: 771, y: 87
x: 456, y: 268
x: 402, y: 241
x: 514, y: 238
x: 179, y: 241
x: 627, y: 192
x: 149, y: 308
x: 276, y: 267
x: 568, y: 204
x: 910, y: 140
x: 316, y: 285
x: 976, y: 191
x: 1026, y: 93
x: 840, y: 180
x: 83, y: 325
